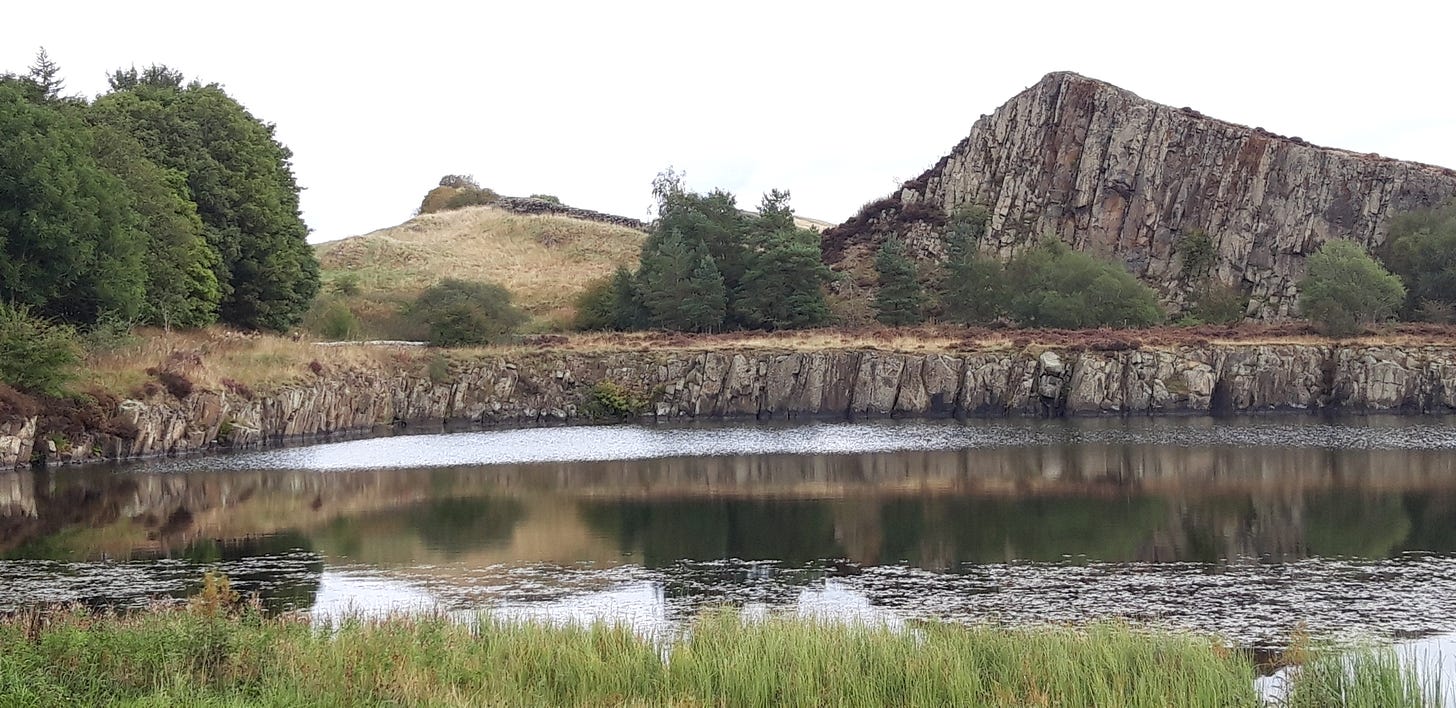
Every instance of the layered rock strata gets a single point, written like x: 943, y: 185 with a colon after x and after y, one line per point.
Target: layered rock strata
x: 1127, y: 179
x: 541, y: 388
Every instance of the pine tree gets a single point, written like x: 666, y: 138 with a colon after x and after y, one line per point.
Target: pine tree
x: 46, y: 75
x: 783, y: 286
x: 900, y: 300
x: 974, y: 290
x: 704, y: 299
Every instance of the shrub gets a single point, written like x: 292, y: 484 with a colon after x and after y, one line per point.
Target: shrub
x: 547, y: 198
x: 1059, y: 287
x: 1218, y: 305
x: 1421, y: 249
x: 459, y: 312
x: 345, y: 284
x: 608, y: 400
x: 36, y: 355
x: 176, y: 383
x: 974, y: 291
x: 596, y: 306
x: 336, y: 321
x: 1345, y: 288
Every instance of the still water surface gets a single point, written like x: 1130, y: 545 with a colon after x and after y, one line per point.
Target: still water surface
x: 1244, y: 527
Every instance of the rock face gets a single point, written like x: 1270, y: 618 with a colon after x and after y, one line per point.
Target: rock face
x: 544, y: 387
x: 1126, y: 179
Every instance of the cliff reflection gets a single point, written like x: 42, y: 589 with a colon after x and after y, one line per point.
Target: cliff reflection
x: 937, y: 510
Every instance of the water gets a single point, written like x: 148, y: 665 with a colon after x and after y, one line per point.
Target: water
x: 1248, y: 528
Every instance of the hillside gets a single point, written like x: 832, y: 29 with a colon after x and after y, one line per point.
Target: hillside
x: 1129, y: 179
x: 544, y: 260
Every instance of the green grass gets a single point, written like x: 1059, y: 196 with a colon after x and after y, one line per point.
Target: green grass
x: 1367, y: 676
x: 198, y: 657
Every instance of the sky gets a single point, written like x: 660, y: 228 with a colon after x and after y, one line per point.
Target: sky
x: 837, y: 102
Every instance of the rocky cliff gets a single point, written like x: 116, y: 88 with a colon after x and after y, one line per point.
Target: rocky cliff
x: 1126, y: 178
x: 542, y: 387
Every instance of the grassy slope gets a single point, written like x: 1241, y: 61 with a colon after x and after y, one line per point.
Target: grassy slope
x: 543, y: 260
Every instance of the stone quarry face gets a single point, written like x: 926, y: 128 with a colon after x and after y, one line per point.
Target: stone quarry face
x: 1125, y: 178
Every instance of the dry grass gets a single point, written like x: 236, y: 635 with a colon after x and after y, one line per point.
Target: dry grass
x: 219, y: 359
x: 543, y: 260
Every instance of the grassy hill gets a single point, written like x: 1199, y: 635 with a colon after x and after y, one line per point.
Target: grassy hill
x: 543, y: 260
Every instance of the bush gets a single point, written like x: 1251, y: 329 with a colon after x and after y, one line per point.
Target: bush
x: 547, y: 198
x: 1059, y: 287
x: 459, y: 312
x: 607, y: 400
x: 36, y: 355
x: 338, y: 322
x: 1421, y: 249
x: 596, y: 306
x: 1219, y: 305
x: 1345, y: 288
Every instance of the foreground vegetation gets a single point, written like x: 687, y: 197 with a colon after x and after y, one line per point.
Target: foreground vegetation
x: 210, y: 655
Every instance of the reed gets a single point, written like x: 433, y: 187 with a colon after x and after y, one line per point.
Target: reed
x: 208, y: 655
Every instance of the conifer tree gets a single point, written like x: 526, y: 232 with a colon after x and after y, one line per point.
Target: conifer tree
x: 900, y: 300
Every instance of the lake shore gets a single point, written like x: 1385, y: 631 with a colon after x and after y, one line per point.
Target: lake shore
x: 213, y: 652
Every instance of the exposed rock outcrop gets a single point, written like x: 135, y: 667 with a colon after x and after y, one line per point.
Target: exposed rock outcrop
x: 1125, y: 178
x: 544, y: 387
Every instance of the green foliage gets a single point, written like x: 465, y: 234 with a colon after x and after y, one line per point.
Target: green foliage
x: 36, y: 355
x: 609, y: 400
x: 595, y: 307
x: 974, y: 290
x: 967, y: 226
x: 336, y: 322
x: 70, y: 245
x: 900, y: 299
x: 458, y: 312
x: 216, y: 653
x: 1421, y: 249
x: 1198, y: 254
x: 1055, y: 286
x: 241, y: 181
x: 182, y: 289
x: 783, y: 286
x: 547, y: 198
x: 1215, y: 304
x: 627, y: 310
x: 679, y: 284
x: 346, y: 284
x: 46, y: 75
x: 1345, y: 288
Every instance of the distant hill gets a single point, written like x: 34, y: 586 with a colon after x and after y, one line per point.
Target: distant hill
x: 544, y: 260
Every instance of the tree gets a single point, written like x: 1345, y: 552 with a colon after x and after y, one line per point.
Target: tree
x: 46, y: 75
x: 1421, y: 249
x: 1058, y: 287
x: 900, y: 298
x: 704, y: 299
x: 241, y: 180
x: 783, y: 286
x: 36, y: 355
x: 1345, y: 288
x: 595, y: 307
x: 459, y: 312
x: 674, y: 285
x: 70, y: 245
x: 181, y: 279
x: 711, y: 220
x: 974, y: 290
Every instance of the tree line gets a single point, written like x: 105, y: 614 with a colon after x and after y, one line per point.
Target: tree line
x: 162, y: 201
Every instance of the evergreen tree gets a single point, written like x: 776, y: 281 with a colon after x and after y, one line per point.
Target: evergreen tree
x: 627, y: 310
x: 46, y: 75
x: 783, y: 284
x: 900, y: 299
x: 704, y: 299
x: 1421, y: 249
x: 241, y: 180
x: 712, y: 220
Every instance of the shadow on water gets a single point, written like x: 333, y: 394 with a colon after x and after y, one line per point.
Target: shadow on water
x: 1257, y: 521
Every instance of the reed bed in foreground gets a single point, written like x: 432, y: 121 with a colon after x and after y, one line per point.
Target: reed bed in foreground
x: 195, y: 657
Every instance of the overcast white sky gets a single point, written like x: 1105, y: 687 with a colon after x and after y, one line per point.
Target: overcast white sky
x: 836, y: 101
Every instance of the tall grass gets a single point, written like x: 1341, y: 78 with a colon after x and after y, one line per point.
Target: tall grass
x: 1368, y: 676
x: 207, y: 655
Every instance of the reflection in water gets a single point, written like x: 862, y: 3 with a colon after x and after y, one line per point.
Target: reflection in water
x: 1343, y: 525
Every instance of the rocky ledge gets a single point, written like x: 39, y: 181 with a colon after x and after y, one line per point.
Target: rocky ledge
x: 544, y: 387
